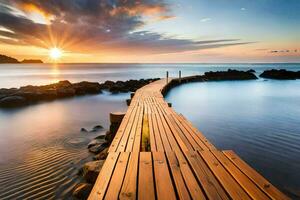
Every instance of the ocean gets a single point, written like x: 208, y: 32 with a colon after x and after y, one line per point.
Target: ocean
x: 42, y: 148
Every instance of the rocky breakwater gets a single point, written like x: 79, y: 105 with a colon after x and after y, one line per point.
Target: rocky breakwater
x: 32, y: 94
x: 281, y: 74
x: 17, y: 97
x: 98, y: 146
x: 229, y: 75
x: 126, y: 86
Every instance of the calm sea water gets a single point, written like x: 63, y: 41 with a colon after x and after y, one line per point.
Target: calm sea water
x: 42, y: 148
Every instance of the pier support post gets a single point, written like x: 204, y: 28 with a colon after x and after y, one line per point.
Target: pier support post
x: 115, y: 122
x: 128, y: 101
x: 167, y: 77
x: 179, y: 76
x: 132, y: 94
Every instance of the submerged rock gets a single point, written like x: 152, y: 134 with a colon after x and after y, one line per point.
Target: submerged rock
x: 83, y: 130
x: 91, y: 170
x: 82, y: 191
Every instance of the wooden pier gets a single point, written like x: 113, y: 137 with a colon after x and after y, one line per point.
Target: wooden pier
x: 158, y: 154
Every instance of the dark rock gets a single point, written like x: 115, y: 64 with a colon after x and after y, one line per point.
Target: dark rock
x: 62, y: 84
x: 96, y: 128
x: 107, y: 85
x: 65, y: 92
x: 229, y: 75
x: 82, y: 191
x: 48, y: 94
x: 12, y: 101
x: 95, y: 142
x: 83, y: 130
x: 251, y: 71
x: 100, y: 137
x: 102, y: 155
x: 91, y: 170
x: 87, y: 88
x: 98, y: 147
x: 33, y: 94
x: 4, y: 91
x: 29, y: 96
x: 281, y: 74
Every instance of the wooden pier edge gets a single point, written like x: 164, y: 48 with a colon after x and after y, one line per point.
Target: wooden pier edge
x: 158, y: 154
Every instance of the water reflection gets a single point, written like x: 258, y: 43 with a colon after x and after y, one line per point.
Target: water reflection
x: 42, y: 148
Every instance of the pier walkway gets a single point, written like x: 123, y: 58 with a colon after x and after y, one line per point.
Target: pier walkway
x: 158, y: 154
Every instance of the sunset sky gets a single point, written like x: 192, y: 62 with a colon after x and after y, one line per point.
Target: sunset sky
x: 152, y: 30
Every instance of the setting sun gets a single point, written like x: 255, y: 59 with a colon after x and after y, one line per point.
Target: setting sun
x: 55, y: 53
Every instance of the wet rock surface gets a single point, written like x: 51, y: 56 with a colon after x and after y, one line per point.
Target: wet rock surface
x: 91, y: 170
x: 27, y: 95
x: 32, y: 94
x: 97, y: 148
x: 229, y: 75
x: 281, y: 74
x: 82, y: 191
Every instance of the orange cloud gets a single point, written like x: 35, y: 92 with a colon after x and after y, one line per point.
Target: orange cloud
x: 139, y: 9
x: 35, y: 13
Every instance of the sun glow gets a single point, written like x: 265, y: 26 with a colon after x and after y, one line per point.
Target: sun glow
x: 55, y: 53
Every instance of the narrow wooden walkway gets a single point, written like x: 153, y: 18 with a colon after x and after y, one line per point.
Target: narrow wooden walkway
x: 158, y: 154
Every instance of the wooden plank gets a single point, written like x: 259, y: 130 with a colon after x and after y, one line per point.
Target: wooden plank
x: 175, y: 133
x: 158, y: 141
x: 187, y: 174
x: 126, y: 143
x: 252, y: 190
x: 173, y: 143
x: 163, y: 182
x: 123, y: 129
x: 199, y: 134
x: 129, y: 189
x: 118, y: 176
x: 103, y: 179
x: 259, y: 180
x: 187, y: 134
x: 162, y: 132
x: 151, y: 131
x: 230, y: 185
x: 208, y: 181
x: 202, y: 144
x: 138, y: 134
x: 178, y: 131
x: 146, y: 189
x: 182, y: 190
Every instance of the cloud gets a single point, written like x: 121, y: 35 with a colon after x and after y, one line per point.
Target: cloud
x: 93, y: 26
x: 205, y: 19
x: 284, y: 51
x: 243, y: 9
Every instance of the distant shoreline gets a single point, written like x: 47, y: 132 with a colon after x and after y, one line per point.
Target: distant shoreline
x: 10, y: 60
